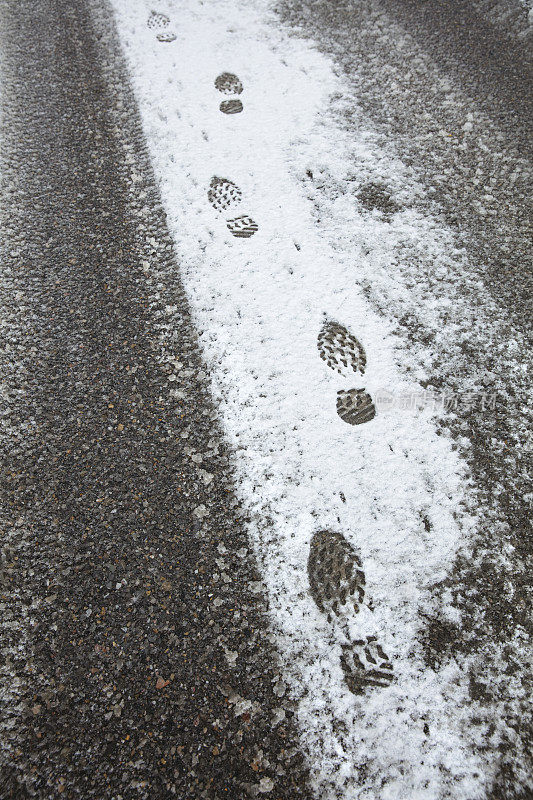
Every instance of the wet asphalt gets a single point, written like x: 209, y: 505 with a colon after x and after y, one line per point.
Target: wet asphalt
x: 136, y: 659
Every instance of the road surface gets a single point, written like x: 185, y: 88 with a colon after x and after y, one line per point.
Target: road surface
x: 266, y: 450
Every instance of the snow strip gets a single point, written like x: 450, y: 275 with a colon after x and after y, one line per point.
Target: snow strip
x: 393, y: 486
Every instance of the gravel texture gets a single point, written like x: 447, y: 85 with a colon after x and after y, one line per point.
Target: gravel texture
x: 136, y: 659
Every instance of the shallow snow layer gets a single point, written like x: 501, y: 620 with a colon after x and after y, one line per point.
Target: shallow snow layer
x: 392, y: 486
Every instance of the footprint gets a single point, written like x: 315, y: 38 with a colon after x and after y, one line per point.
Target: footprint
x: 337, y: 584
x: 231, y: 106
x: 243, y: 227
x: 157, y: 20
x: 340, y: 350
x: 223, y: 194
x: 228, y: 83
x: 365, y: 664
x: 336, y: 576
x: 355, y: 406
x: 160, y: 22
x: 343, y: 353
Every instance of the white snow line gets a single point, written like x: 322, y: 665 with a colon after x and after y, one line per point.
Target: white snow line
x: 259, y: 304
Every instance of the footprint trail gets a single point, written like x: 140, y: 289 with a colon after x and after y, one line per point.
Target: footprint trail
x: 160, y: 23
x: 228, y: 83
x: 223, y: 194
x: 337, y: 585
x: 343, y: 353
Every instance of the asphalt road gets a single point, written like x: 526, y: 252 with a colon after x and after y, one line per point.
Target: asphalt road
x: 135, y: 657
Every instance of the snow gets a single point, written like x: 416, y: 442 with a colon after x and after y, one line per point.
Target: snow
x: 259, y: 304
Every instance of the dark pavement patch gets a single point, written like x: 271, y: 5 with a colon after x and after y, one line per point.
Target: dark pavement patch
x: 138, y: 653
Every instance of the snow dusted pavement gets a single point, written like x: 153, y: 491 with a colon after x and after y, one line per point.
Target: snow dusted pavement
x: 362, y: 322
x: 338, y: 234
